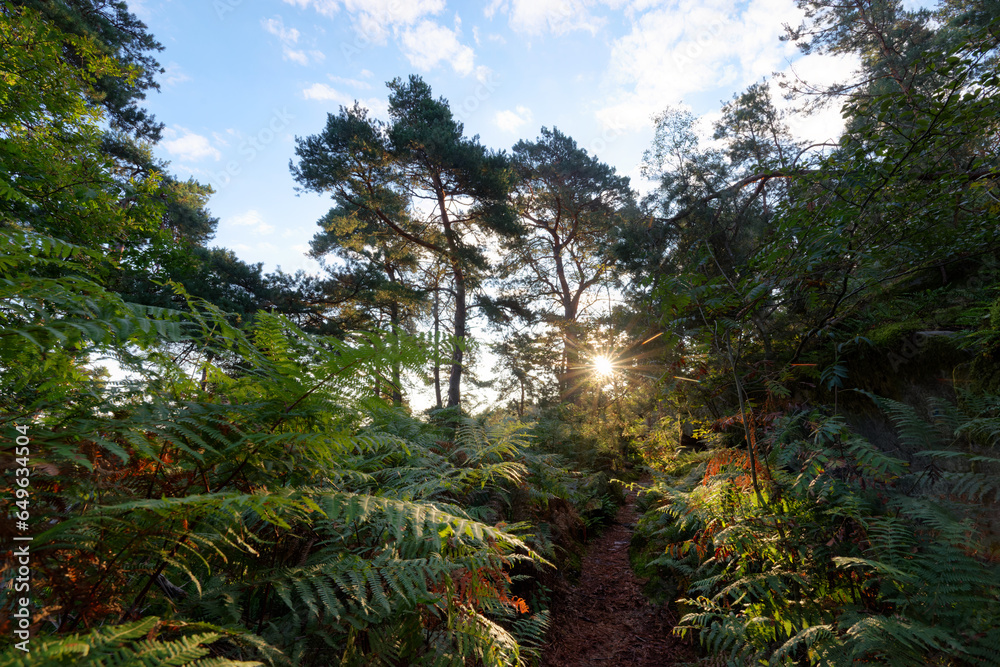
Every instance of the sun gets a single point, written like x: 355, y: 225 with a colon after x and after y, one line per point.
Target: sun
x: 603, y: 366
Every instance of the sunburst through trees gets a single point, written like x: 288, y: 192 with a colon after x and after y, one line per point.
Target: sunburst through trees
x: 603, y: 366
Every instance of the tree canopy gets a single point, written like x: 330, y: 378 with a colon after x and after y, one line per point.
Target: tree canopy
x: 419, y: 180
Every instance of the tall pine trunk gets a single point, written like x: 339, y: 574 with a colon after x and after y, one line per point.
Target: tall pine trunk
x: 397, y: 386
x: 570, y: 381
x: 437, y: 346
x: 457, y: 352
x: 458, y: 275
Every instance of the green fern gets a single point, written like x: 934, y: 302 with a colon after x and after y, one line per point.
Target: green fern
x: 129, y: 645
x: 258, y: 485
x: 850, y: 565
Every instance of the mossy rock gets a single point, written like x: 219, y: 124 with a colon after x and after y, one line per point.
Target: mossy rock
x: 892, y: 335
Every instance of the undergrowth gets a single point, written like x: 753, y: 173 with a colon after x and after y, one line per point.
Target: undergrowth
x: 245, y: 483
x: 850, y: 555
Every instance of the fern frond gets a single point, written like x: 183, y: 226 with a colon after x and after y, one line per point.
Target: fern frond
x: 123, y: 645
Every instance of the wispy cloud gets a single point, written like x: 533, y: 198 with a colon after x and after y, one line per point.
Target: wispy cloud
x: 140, y: 9
x: 353, y: 83
x: 537, y: 17
x: 289, y: 38
x: 325, y: 93
x: 512, y: 121
x: 322, y: 91
x: 377, y: 19
x: 173, y: 75
x: 184, y: 144
x: 253, y: 221
x: 324, y: 7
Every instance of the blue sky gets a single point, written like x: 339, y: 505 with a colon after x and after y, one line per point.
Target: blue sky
x: 244, y: 77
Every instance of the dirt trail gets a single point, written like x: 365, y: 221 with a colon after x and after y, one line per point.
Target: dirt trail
x: 605, y: 620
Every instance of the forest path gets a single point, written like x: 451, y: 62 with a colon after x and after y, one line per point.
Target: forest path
x: 605, y: 619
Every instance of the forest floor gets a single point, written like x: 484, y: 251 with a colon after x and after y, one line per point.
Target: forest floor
x: 605, y: 619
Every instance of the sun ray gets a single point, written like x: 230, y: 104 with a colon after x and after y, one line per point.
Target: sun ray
x: 603, y: 366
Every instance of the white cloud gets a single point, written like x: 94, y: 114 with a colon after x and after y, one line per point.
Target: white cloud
x: 536, y: 17
x: 827, y: 123
x: 424, y: 42
x: 277, y: 28
x: 289, y: 38
x: 184, y: 144
x: 491, y: 9
x: 324, y: 7
x: 299, y: 57
x: 253, y: 220
x: 325, y: 93
x: 484, y: 74
x: 429, y: 43
x: 693, y: 46
x: 172, y: 75
x: 375, y: 19
x: 321, y: 91
x: 222, y: 139
x: 353, y: 83
x: 512, y: 121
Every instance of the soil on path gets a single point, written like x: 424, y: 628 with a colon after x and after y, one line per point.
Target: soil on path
x: 605, y: 620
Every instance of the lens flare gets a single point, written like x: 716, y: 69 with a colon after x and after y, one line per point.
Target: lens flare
x: 603, y: 366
